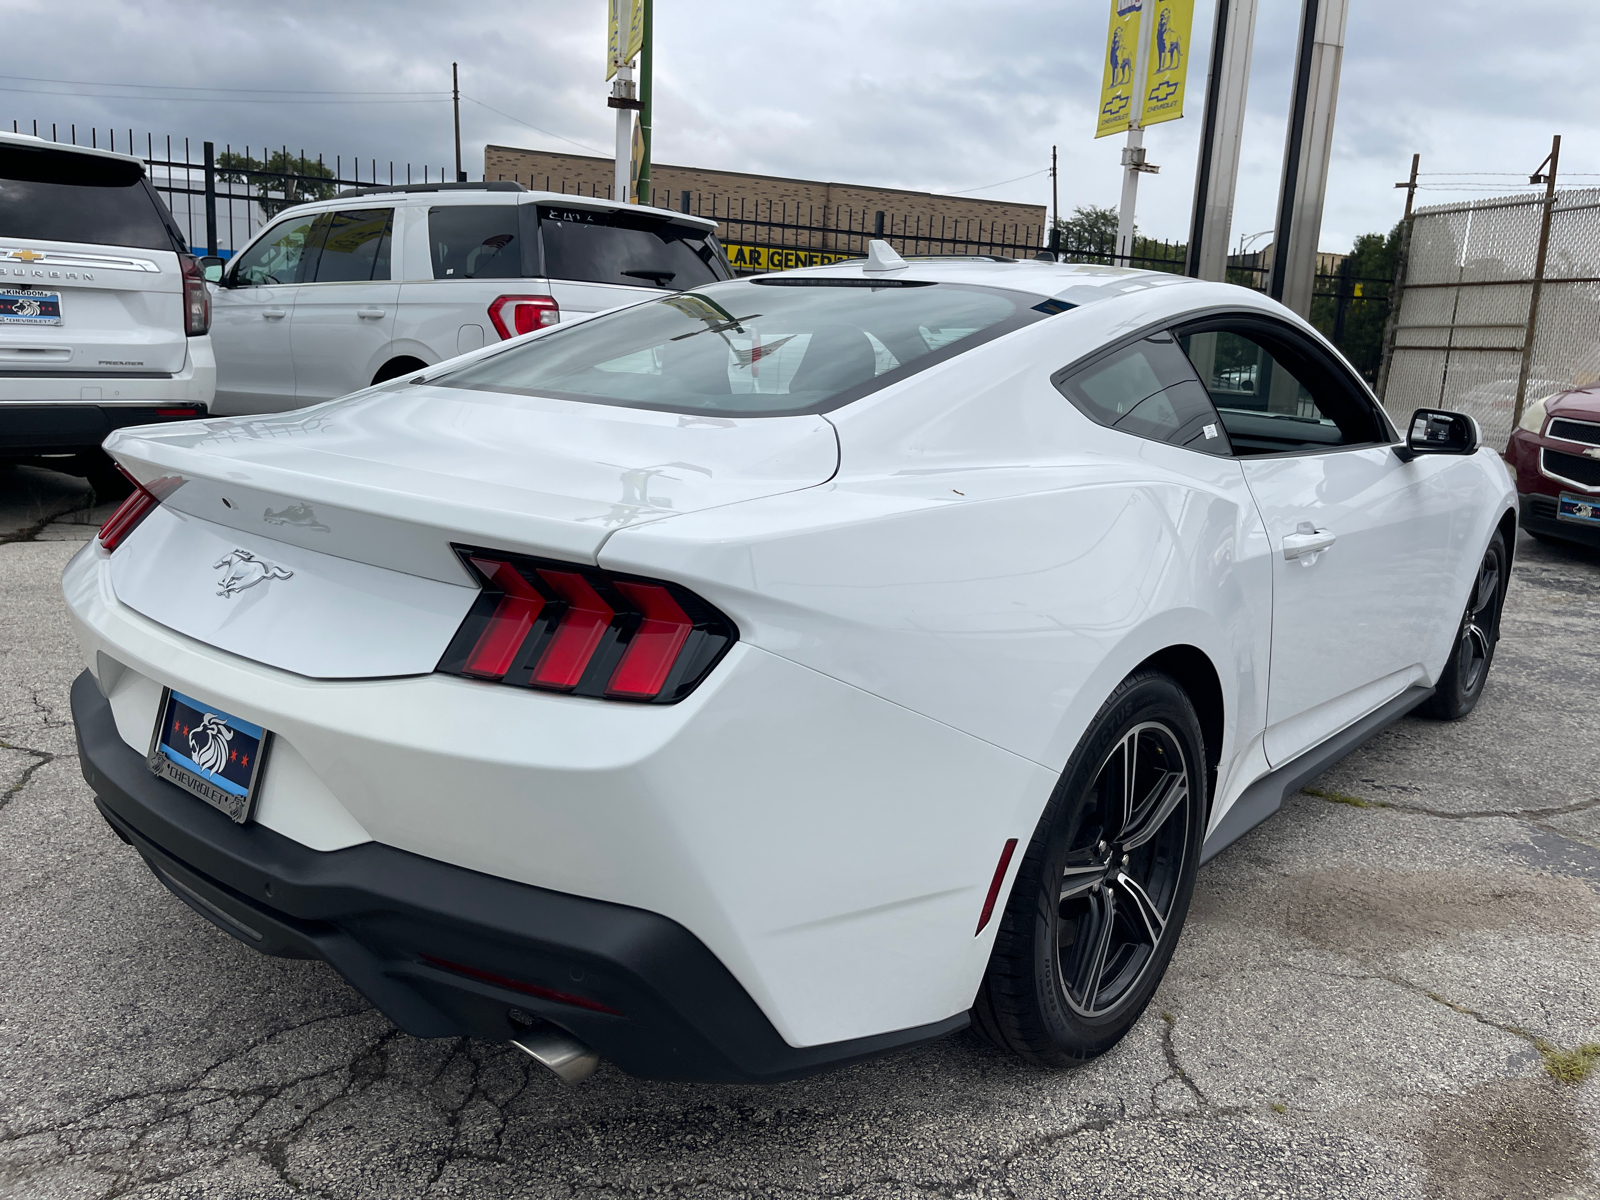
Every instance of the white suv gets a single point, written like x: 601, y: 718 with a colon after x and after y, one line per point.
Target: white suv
x: 343, y: 293
x: 103, y: 311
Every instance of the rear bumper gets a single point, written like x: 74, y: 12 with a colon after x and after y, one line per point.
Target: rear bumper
x: 378, y: 915
x: 67, y: 428
x: 1537, y: 514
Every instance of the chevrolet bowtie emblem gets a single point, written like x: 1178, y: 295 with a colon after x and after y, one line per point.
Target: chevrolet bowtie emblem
x: 29, y: 255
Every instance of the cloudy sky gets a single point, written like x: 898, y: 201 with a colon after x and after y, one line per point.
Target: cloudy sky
x: 931, y: 95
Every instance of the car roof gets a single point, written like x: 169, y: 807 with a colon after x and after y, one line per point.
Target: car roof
x: 480, y: 195
x: 27, y: 141
x: 1039, y: 276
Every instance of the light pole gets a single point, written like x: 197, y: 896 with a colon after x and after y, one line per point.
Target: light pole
x: 455, y: 96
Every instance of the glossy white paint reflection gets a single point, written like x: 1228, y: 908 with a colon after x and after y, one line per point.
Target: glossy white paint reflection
x: 935, y: 589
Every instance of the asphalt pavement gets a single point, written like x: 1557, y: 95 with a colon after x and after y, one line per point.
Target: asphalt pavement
x: 1384, y: 991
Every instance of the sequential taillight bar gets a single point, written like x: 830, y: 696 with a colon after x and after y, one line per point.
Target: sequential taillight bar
x: 563, y: 627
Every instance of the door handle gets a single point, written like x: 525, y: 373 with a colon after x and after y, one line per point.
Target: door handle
x: 274, y: 314
x: 1307, y: 541
x: 369, y: 312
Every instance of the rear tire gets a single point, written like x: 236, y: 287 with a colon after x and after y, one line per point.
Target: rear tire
x: 397, y: 367
x: 1472, y: 653
x: 1104, y: 887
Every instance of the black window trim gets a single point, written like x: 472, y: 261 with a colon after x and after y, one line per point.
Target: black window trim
x: 1215, y: 320
x: 1058, y: 377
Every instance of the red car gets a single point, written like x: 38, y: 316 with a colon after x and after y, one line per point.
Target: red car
x: 1555, y: 453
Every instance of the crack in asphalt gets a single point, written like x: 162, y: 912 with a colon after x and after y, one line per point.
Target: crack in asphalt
x: 29, y: 533
x: 42, y: 759
x: 1537, y: 817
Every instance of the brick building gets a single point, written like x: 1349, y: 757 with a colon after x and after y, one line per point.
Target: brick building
x: 810, y: 220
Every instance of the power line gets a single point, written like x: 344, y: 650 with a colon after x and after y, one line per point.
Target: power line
x: 440, y: 99
x: 1002, y: 183
x: 163, y: 87
x: 535, y: 128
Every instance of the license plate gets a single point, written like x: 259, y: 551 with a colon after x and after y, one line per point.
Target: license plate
x: 216, y: 756
x: 29, y: 308
x: 1583, y: 509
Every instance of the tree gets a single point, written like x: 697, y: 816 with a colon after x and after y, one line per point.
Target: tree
x: 281, y: 181
x: 1090, y: 235
x: 1353, y: 304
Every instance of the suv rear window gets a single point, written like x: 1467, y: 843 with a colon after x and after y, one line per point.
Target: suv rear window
x: 58, y: 196
x: 603, y: 246
x: 756, y: 347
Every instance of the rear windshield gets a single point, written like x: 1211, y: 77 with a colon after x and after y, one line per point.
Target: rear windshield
x: 632, y: 248
x: 755, y: 347
x: 57, y: 196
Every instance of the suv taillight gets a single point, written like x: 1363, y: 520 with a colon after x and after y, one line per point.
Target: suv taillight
x: 562, y: 627
x: 196, y: 299
x: 527, y: 314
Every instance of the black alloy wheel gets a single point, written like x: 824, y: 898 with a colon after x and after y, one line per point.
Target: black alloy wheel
x: 1461, y: 683
x: 1104, y: 887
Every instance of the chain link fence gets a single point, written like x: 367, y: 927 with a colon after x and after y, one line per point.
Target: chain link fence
x: 1461, y: 332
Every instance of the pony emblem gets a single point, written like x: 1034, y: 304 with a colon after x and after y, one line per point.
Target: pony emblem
x: 208, y: 745
x: 241, y: 569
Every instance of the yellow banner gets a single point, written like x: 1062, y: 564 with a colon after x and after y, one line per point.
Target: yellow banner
x: 779, y: 258
x: 1116, y: 82
x: 624, y: 33
x: 1169, y: 60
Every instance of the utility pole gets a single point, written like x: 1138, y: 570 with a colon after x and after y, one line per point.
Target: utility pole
x: 1133, y: 153
x: 1306, y: 152
x: 455, y: 95
x: 1411, y: 185
x: 1548, y: 178
x: 1216, y: 177
x: 1055, y: 207
x: 646, y: 60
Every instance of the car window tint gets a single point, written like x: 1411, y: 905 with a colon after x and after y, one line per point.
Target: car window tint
x: 1270, y: 405
x: 1148, y: 389
x: 353, y: 245
x: 277, y: 256
x: 754, y: 347
x: 475, y: 241
x: 57, y: 196
x: 603, y: 246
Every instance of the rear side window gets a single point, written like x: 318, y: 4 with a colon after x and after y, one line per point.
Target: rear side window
x: 477, y: 241
x: 349, y: 246
x: 754, y: 347
x: 57, y: 196
x: 1148, y: 389
x: 602, y: 246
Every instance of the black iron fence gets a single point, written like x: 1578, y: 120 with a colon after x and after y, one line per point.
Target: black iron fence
x: 222, y: 198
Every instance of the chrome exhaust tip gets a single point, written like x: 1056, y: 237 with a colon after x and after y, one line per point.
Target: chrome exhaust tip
x: 549, y: 1046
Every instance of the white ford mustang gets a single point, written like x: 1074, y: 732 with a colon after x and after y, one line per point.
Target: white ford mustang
x: 763, y: 677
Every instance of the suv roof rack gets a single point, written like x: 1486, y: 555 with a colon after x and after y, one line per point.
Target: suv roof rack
x: 487, y: 185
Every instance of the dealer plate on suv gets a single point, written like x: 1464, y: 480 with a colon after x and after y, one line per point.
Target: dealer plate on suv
x: 29, y: 308
x: 216, y: 756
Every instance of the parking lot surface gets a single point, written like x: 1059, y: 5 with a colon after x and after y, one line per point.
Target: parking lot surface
x: 1386, y: 990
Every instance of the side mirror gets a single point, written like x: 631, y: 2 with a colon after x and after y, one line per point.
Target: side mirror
x: 211, y: 267
x: 1436, y: 431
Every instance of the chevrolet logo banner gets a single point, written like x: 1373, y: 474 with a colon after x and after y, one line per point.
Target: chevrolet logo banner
x: 1165, y: 74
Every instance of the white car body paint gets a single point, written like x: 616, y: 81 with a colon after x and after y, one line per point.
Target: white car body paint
x: 935, y: 589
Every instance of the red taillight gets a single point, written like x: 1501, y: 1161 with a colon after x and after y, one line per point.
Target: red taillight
x: 527, y: 314
x: 568, y: 628
x: 656, y: 643
x: 513, y: 616
x: 196, y: 298
x: 129, y: 513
